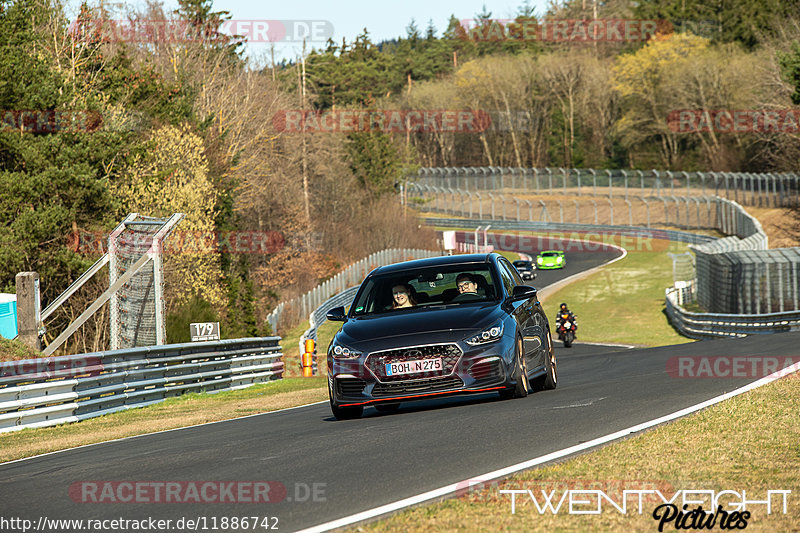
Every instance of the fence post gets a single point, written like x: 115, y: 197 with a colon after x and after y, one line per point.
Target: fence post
x: 29, y: 309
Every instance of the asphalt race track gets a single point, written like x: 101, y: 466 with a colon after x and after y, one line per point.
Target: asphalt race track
x: 361, y: 464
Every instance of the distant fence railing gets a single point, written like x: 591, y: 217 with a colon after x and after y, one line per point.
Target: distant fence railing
x: 294, y: 311
x: 762, y: 189
x: 49, y: 391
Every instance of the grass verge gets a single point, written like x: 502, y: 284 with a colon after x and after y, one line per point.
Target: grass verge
x: 715, y: 449
x: 623, y: 302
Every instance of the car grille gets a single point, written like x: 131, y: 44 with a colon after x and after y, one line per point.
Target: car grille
x: 489, y: 370
x: 350, y: 387
x: 450, y: 354
x: 417, y: 386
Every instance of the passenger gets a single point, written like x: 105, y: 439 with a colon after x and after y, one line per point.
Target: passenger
x: 466, y: 284
x: 402, y: 296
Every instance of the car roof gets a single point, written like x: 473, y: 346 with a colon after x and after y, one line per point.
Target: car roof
x: 461, y: 259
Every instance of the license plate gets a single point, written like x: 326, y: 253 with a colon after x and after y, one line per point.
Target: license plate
x: 411, y: 367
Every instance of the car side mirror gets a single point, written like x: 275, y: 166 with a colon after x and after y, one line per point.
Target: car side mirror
x: 336, y: 314
x: 523, y: 292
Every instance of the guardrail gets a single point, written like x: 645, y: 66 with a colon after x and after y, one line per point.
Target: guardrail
x: 715, y: 325
x: 50, y: 391
x: 525, y: 225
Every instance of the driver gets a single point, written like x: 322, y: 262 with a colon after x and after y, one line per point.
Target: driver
x: 466, y: 284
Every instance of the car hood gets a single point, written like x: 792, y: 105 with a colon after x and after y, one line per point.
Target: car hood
x: 438, y: 321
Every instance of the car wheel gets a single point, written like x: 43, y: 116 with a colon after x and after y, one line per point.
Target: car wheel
x: 551, y: 375
x: 549, y: 379
x: 387, y: 407
x: 522, y: 387
x: 344, y: 413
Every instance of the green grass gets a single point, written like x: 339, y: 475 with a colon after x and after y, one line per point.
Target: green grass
x: 622, y: 303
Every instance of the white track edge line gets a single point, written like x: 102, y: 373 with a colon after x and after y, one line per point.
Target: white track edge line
x: 158, y: 432
x: 449, y: 489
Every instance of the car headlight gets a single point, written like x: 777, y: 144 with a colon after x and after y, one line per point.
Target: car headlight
x: 340, y: 351
x: 491, y: 334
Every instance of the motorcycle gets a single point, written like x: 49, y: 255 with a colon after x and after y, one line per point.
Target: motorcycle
x: 566, y: 330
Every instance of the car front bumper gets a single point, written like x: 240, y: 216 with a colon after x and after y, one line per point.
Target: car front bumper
x: 467, y: 369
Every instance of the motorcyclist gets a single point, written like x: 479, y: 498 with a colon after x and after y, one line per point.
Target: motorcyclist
x: 564, y: 314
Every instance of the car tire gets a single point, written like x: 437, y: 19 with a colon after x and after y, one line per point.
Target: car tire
x: 522, y: 386
x: 387, y: 407
x: 549, y: 380
x: 551, y: 370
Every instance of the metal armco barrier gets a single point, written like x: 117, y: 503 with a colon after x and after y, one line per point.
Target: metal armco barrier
x: 524, y: 225
x: 715, y: 325
x: 49, y: 391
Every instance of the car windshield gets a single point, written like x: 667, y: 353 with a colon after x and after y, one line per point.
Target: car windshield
x: 429, y: 286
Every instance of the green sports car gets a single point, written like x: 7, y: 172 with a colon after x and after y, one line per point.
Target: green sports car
x: 551, y: 259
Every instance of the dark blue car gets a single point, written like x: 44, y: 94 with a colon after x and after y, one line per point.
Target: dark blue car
x: 473, y: 327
